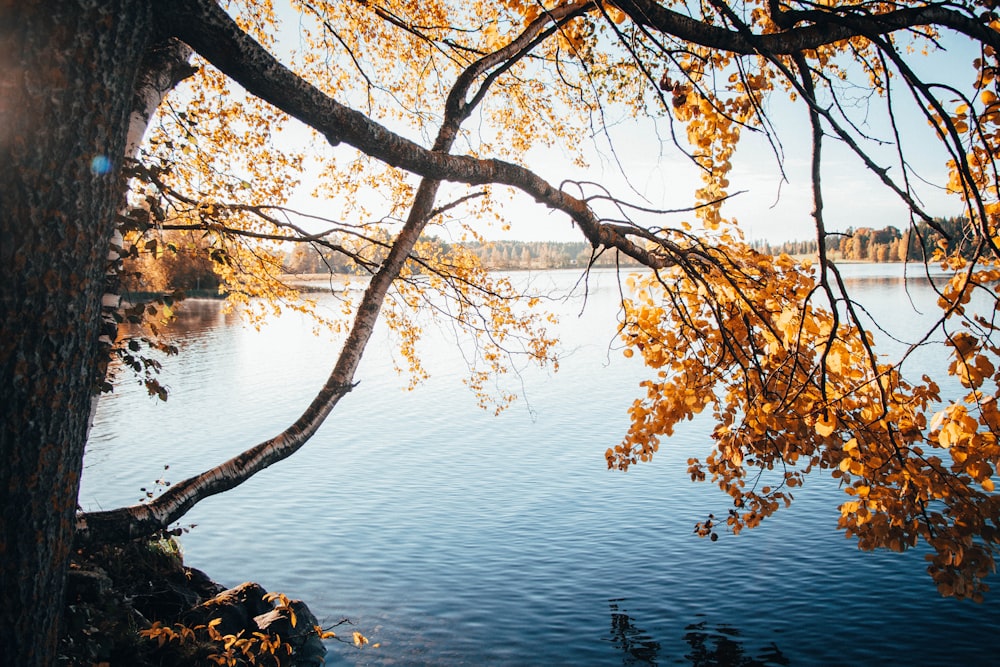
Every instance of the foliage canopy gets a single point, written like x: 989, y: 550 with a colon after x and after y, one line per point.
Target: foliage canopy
x: 422, y: 121
x: 777, y: 349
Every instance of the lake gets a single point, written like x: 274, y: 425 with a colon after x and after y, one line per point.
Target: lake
x: 453, y: 537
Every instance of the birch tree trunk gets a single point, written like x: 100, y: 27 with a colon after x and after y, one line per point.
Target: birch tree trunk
x: 165, y: 64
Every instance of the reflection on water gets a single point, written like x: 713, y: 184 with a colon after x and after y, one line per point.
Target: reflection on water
x: 453, y: 537
x: 200, y: 314
x: 720, y: 646
x: 708, y: 645
x: 636, y: 645
x: 197, y: 316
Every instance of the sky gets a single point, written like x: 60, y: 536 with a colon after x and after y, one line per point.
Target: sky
x: 776, y: 204
x: 772, y: 207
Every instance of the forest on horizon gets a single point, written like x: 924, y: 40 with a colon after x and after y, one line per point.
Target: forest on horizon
x: 889, y: 244
x: 186, y: 261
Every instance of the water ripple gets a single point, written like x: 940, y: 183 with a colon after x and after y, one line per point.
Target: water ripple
x: 455, y: 538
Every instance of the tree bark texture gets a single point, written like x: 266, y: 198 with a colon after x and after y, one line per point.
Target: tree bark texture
x: 66, y: 83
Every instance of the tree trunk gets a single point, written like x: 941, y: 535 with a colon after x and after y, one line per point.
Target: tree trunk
x: 65, y: 93
x: 165, y: 64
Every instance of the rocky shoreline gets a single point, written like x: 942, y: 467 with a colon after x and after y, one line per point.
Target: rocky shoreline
x: 137, y: 604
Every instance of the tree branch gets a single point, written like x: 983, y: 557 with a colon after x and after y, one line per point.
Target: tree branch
x: 205, y: 27
x: 828, y: 27
x: 158, y: 514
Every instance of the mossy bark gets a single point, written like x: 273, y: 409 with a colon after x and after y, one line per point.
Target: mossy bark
x: 66, y: 88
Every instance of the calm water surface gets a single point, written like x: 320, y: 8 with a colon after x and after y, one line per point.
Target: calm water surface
x: 453, y: 537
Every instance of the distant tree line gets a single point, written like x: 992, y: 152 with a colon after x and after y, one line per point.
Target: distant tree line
x: 498, y: 255
x: 889, y: 244
x: 543, y: 255
x: 308, y: 258
x: 172, y: 260
x: 184, y: 261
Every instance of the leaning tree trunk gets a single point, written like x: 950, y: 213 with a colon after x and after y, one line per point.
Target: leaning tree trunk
x: 66, y: 81
x: 144, y: 519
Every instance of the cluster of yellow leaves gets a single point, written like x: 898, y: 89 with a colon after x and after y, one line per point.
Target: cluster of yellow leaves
x: 792, y: 388
x: 713, y: 130
x: 972, y: 128
x: 354, y: 55
x: 219, y: 157
x: 220, y: 148
x: 968, y: 430
x: 257, y: 648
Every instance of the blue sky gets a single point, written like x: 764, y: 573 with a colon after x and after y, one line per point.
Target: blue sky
x: 775, y: 210
x: 660, y: 177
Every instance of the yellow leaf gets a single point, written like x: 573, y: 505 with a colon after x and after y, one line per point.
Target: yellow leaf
x: 834, y: 362
x: 616, y: 15
x: 826, y: 425
x: 786, y: 317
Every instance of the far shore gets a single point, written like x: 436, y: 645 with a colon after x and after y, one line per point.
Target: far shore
x: 344, y: 279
